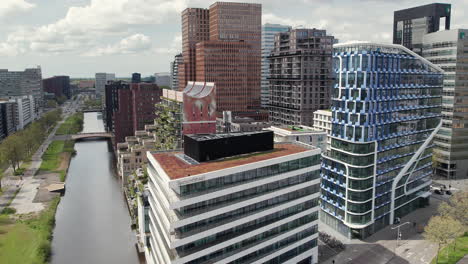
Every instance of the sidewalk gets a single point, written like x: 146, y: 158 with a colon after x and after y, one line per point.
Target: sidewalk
x: 381, y: 248
x: 28, y: 186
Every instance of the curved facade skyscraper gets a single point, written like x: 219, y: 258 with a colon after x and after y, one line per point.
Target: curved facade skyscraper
x: 386, y: 109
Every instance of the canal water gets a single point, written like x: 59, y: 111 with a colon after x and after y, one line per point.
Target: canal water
x: 92, y: 220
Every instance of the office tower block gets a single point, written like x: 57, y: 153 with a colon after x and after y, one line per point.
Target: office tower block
x: 175, y: 65
x: 163, y: 79
x: 235, y: 208
x: 195, y: 28
x: 448, y: 50
x: 136, y: 77
x: 300, y: 76
x: 268, y: 42
x: 410, y: 25
x: 23, y: 83
x: 58, y: 85
x: 101, y: 80
x: 386, y: 110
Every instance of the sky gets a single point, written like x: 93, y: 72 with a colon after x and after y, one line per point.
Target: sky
x: 81, y: 37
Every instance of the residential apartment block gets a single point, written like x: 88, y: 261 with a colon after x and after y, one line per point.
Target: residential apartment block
x: 386, y: 110
x: 25, y: 110
x: 175, y: 65
x: 410, y: 25
x: 23, y: 83
x: 300, y: 76
x: 8, y: 119
x: 268, y: 43
x: 449, y: 50
x: 234, y: 208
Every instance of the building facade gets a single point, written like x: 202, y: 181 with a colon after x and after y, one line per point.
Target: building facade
x: 240, y: 209
x: 129, y: 107
x: 268, y: 43
x: 8, y: 119
x: 101, y: 80
x: 25, y: 110
x: 410, y: 25
x: 23, y: 83
x: 195, y: 28
x: 199, y: 108
x: 386, y: 110
x: 163, y: 79
x: 448, y: 49
x: 58, y: 85
x: 175, y: 65
x: 323, y: 121
x: 136, y: 77
x: 300, y: 76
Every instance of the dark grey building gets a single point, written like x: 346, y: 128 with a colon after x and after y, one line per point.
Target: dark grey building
x: 300, y: 76
x: 410, y: 25
x: 8, y: 120
x: 136, y: 77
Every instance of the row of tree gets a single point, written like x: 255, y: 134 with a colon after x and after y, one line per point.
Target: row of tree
x: 451, y: 223
x: 21, y: 145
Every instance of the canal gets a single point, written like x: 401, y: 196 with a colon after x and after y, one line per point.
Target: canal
x: 92, y: 220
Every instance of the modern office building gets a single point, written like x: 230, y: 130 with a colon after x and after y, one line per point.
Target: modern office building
x: 232, y: 124
x: 58, y: 85
x: 175, y: 65
x: 199, y: 108
x: 268, y: 43
x: 23, y: 83
x: 136, y: 77
x: 410, y: 25
x: 323, y: 121
x: 304, y: 134
x: 234, y: 208
x: 8, y: 118
x: 448, y: 49
x: 300, y: 76
x: 101, y: 81
x: 386, y: 110
x: 195, y: 28
x: 129, y: 107
x: 231, y: 33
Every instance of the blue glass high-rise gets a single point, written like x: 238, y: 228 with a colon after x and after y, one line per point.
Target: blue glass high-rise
x: 386, y: 109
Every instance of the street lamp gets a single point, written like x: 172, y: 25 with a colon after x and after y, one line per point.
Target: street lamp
x: 398, y: 233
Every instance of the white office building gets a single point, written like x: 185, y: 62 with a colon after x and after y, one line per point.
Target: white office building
x: 268, y: 43
x: 322, y: 121
x: 101, y: 81
x: 257, y: 207
x: 178, y: 60
x: 448, y: 49
x: 25, y: 106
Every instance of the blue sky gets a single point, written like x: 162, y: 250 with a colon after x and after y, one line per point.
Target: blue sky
x: 81, y: 37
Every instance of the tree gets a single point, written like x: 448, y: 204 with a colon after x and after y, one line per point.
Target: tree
x: 442, y: 230
x: 12, y: 150
x: 457, y: 208
x: 51, y: 104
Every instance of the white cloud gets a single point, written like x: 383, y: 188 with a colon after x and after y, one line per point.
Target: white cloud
x: 132, y: 44
x: 174, y: 48
x: 83, y: 27
x: 8, y: 7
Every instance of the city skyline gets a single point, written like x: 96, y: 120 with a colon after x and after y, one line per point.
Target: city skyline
x: 122, y: 38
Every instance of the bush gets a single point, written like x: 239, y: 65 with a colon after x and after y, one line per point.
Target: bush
x: 19, y: 171
x: 8, y: 210
x: 45, y: 250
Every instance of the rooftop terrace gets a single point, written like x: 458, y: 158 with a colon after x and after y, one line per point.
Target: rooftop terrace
x: 176, y: 168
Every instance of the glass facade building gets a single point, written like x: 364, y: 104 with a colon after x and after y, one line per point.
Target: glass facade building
x: 386, y: 110
x: 449, y: 50
x: 260, y: 208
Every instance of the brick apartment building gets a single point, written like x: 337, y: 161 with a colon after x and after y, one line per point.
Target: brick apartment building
x: 129, y: 107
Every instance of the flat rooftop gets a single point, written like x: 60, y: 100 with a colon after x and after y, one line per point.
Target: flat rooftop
x: 176, y: 168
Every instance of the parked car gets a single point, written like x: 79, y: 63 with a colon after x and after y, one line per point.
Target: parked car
x: 437, y: 191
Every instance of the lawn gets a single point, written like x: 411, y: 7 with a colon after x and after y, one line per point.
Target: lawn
x: 72, y: 125
x: 27, y: 240
x: 453, y: 255
x: 52, y: 158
